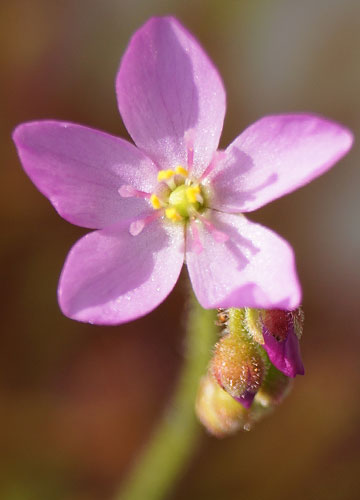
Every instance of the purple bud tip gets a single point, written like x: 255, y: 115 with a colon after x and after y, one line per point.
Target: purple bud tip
x: 281, y: 341
x: 246, y: 399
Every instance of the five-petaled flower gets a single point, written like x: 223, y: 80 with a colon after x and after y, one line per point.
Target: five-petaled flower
x: 173, y: 196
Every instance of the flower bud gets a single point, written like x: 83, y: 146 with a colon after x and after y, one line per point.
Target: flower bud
x: 220, y: 414
x: 274, y: 388
x: 238, y: 364
x: 279, y: 332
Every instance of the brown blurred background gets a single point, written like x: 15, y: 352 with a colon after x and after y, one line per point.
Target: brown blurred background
x: 78, y: 402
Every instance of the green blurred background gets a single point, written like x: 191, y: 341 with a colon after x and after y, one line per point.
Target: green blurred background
x: 78, y: 402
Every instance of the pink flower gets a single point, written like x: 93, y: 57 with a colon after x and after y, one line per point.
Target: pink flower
x: 174, y: 197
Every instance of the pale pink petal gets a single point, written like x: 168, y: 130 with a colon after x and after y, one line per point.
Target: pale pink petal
x: 170, y: 95
x: 81, y: 170
x: 111, y: 277
x: 275, y: 156
x: 253, y: 268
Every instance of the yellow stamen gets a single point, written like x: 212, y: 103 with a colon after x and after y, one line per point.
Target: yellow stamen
x: 192, y: 192
x: 181, y: 170
x: 155, y: 201
x: 172, y: 214
x: 164, y: 175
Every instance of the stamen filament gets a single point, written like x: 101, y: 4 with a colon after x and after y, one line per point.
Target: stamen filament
x: 127, y: 191
x: 138, y: 225
x: 218, y: 236
x: 218, y: 156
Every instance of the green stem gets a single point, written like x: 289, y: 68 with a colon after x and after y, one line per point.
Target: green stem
x: 173, y: 442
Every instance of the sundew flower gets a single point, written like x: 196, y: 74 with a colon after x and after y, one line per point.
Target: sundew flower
x: 173, y: 196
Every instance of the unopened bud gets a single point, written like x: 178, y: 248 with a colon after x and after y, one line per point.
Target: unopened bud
x: 220, y: 414
x: 279, y: 332
x: 274, y: 388
x: 238, y: 364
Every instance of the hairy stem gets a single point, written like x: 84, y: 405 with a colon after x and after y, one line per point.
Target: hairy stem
x: 173, y: 442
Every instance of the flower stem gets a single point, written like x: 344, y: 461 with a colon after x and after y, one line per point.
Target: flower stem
x: 173, y: 442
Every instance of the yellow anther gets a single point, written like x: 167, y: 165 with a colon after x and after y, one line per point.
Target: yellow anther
x: 181, y: 170
x: 164, y: 175
x: 172, y: 214
x: 155, y: 201
x: 192, y: 192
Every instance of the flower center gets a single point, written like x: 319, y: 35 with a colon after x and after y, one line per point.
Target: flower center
x: 180, y: 199
x: 179, y: 196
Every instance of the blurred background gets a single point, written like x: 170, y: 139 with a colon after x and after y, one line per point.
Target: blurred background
x: 78, y: 402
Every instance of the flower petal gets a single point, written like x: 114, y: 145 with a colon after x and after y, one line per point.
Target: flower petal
x: 111, y: 277
x: 284, y: 355
x: 170, y: 94
x: 275, y: 156
x: 81, y: 170
x: 254, y: 268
